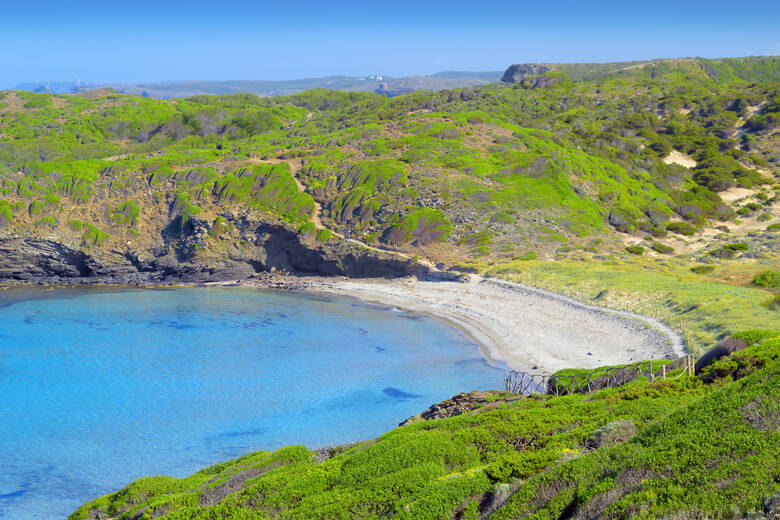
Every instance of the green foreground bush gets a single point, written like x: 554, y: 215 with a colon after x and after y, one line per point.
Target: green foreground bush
x: 767, y: 279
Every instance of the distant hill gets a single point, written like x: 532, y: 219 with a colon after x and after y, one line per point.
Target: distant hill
x: 386, y: 85
x: 754, y: 68
x: 55, y: 87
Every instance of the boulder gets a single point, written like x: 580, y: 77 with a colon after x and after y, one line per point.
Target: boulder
x: 724, y: 348
x: 615, y: 432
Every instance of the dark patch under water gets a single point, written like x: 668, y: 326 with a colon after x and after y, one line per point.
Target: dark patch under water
x: 399, y: 394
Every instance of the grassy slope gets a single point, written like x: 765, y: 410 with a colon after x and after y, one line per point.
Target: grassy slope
x: 545, y: 169
x: 705, y: 306
x: 705, y: 451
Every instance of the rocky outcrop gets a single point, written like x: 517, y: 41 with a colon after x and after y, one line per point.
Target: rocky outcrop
x: 539, y: 82
x: 724, y: 348
x: 516, y: 73
x: 32, y: 259
x: 610, y: 434
x: 463, y: 403
x: 265, y: 247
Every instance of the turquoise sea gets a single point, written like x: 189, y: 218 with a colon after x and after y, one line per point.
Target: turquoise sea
x: 102, y: 386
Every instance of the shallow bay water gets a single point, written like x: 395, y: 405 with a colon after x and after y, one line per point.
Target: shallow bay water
x: 99, y: 387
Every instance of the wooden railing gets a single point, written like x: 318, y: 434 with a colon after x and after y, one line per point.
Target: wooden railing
x: 524, y: 383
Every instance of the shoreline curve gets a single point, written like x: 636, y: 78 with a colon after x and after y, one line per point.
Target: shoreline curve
x: 520, y: 326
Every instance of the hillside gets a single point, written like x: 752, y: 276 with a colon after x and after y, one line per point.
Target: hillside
x: 690, y: 447
x: 626, y: 188
x: 722, y: 70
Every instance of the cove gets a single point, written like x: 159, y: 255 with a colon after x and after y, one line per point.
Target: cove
x: 100, y: 387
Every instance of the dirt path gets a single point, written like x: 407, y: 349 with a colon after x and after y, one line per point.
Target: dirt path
x: 679, y: 158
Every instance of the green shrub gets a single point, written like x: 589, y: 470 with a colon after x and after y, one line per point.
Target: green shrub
x: 39, y: 101
x: 773, y: 227
x: 127, y: 213
x: 702, y: 269
x: 773, y: 303
x: 681, y: 228
x: 46, y: 221
x: 764, y: 347
x: 749, y: 208
x: 754, y: 337
x: 219, y: 226
x: 6, y: 212
x: 530, y: 255
x: 635, y: 250
x: 481, y: 238
x: 767, y: 279
x: 307, y: 227
x: 423, y: 225
x: 93, y: 236
x: 661, y: 248
x: 737, y: 246
x: 723, y: 253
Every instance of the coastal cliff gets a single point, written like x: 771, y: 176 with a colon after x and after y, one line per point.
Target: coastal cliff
x: 266, y: 247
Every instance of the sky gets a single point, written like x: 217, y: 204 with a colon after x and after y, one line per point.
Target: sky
x: 162, y: 40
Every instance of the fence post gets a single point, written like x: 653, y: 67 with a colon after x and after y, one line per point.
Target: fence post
x: 663, y: 372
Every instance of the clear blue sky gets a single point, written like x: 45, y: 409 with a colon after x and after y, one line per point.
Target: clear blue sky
x: 168, y: 40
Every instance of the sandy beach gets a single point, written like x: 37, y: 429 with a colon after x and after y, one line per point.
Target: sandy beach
x: 527, y: 328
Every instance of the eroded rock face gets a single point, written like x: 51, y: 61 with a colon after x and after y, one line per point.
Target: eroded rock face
x: 516, y: 73
x: 31, y: 259
x: 265, y: 247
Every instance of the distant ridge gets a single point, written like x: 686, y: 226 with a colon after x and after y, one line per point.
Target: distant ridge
x: 752, y: 68
x: 387, y: 85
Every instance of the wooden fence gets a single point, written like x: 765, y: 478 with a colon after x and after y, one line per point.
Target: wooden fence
x: 584, y: 382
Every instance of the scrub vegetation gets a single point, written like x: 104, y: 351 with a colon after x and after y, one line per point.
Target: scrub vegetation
x: 547, y: 168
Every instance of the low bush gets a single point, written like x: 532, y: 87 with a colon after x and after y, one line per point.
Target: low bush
x: 723, y: 253
x: 6, y: 212
x: 773, y: 303
x: 749, y: 209
x: 530, y: 255
x: 93, y: 236
x: 661, y: 248
x: 681, y: 228
x: 767, y: 279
